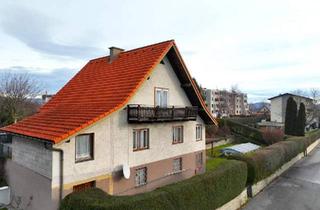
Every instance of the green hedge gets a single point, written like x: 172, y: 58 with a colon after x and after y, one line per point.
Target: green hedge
x: 249, y: 120
x: 243, y: 130
x: 207, y: 191
x: 308, y: 139
x: 264, y: 162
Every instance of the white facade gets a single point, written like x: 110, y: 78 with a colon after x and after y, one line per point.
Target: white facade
x: 225, y: 103
x: 113, y: 141
x: 114, y: 136
x: 279, y: 105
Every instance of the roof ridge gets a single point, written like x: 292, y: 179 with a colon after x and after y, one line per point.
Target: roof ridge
x: 150, y: 45
x: 134, y: 49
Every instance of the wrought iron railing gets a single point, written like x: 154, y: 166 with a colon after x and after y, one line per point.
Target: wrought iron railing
x: 140, y: 113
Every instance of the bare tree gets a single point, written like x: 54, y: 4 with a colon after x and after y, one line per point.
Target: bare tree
x: 315, y: 94
x: 300, y: 92
x: 17, y: 92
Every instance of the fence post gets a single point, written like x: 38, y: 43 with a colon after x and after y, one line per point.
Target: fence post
x: 172, y: 112
x: 138, y: 111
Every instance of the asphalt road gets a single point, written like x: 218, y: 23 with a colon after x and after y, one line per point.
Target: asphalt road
x: 296, y: 189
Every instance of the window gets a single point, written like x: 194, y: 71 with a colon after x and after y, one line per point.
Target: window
x: 161, y: 99
x: 177, y: 134
x: 199, y: 160
x: 84, y: 147
x: 141, y: 176
x: 84, y: 186
x: 199, y: 132
x: 177, y: 165
x: 140, y: 139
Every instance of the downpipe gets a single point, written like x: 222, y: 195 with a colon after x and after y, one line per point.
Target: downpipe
x: 48, y: 146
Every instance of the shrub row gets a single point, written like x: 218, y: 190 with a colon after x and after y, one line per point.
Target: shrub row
x: 264, y: 162
x: 249, y: 120
x: 207, y: 191
x: 243, y: 130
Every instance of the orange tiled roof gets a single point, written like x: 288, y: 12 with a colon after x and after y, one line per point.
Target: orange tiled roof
x: 99, y: 89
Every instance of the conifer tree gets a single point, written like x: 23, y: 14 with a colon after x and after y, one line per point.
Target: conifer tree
x: 291, y: 117
x: 301, y: 120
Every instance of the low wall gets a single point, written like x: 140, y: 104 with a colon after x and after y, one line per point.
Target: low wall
x: 29, y: 190
x: 5, y: 195
x: 219, y: 143
x: 253, y: 190
x: 236, y: 203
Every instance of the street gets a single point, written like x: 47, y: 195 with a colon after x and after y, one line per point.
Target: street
x: 296, y: 189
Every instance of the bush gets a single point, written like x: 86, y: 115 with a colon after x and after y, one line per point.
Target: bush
x: 312, y: 136
x: 249, y: 120
x: 207, y: 191
x: 213, y: 131
x: 266, y: 161
x: 272, y: 136
x: 243, y: 130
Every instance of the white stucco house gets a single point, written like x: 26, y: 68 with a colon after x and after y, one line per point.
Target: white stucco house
x: 279, y: 105
x: 137, y: 110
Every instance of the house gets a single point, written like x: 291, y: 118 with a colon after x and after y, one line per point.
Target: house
x: 279, y: 105
x: 127, y: 123
x: 226, y: 103
x: 260, y: 109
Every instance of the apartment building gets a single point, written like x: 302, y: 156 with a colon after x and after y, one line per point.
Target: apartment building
x: 226, y: 103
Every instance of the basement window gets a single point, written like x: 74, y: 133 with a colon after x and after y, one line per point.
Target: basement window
x: 84, y: 186
x: 141, y: 176
x: 177, y: 165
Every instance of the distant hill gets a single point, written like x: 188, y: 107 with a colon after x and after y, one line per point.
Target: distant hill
x: 254, y: 107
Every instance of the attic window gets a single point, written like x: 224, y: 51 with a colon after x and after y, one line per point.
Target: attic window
x: 162, y: 62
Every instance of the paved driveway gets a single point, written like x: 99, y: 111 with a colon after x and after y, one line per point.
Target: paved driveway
x: 296, y: 189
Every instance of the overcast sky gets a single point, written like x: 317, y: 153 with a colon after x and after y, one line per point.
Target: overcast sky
x: 265, y: 47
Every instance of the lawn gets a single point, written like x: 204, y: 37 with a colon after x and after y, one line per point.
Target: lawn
x: 214, y: 159
x: 215, y: 152
x: 214, y: 163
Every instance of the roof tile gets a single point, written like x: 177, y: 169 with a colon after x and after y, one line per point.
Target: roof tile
x: 97, y: 90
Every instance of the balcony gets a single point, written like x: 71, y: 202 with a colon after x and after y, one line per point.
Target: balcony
x: 139, y: 113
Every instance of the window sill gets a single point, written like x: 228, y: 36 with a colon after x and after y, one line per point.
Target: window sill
x: 141, y: 185
x: 80, y: 160
x: 136, y: 150
x: 198, y: 139
x: 176, y: 172
x: 177, y: 143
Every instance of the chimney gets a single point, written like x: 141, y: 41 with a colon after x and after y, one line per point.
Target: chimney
x: 114, y: 52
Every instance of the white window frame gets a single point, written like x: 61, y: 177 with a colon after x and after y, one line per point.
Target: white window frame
x: 87, y: 139
x: 177, y: 134
x: 177, y: 165
x: 159, y: 99
x: 198, y: 132
x: 141, y: 176
x: 141, y: 139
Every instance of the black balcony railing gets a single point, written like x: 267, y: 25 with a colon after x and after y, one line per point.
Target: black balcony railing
x: 140, y: 113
